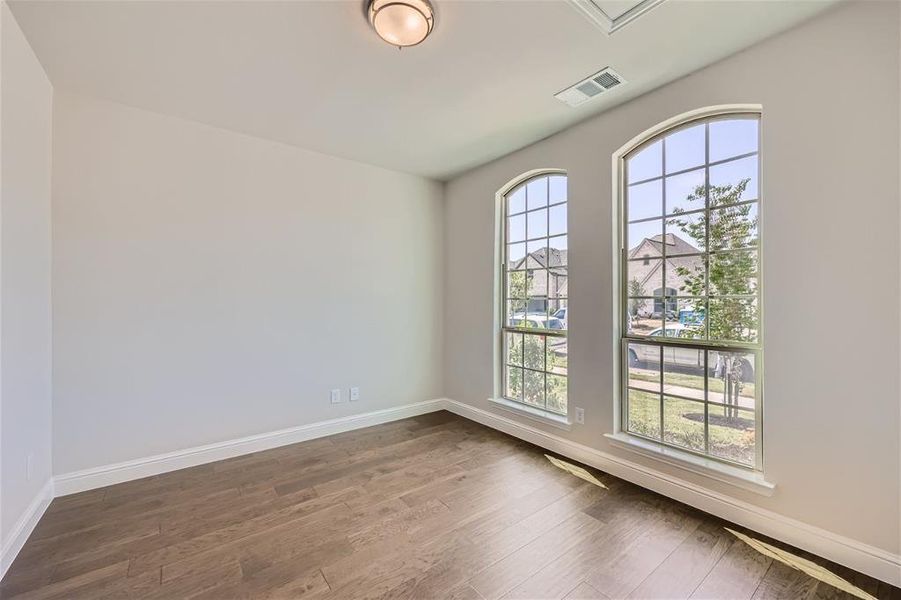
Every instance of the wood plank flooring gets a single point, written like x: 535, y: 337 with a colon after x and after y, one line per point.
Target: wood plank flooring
x: 430, y: 507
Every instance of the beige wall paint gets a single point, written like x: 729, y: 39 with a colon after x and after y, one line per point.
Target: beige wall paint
x: 830, y: 197
x: 24, y: 275
x: 209, y: 285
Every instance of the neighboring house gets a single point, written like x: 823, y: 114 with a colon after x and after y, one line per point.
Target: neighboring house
x: 649, y: 272
x: 556, y: 284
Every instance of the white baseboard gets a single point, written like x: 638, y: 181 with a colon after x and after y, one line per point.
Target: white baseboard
x: 867, y: 559
x: 873, y: 561
x: 88, y: 479
x: 24, y: 526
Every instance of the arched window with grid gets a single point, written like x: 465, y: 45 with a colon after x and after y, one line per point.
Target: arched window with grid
x: 535, y: 284
x: 690, y: 267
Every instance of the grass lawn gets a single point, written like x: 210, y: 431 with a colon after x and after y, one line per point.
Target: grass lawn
x: 683, y: 425
x: 696, y: 382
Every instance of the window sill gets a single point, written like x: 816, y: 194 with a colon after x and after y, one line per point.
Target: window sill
x: 535, y: 414
x: 748, y: 480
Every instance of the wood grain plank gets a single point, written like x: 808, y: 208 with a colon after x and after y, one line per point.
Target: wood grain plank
x: 584, y: 591
x: 781, y: 582
x: 737, y: 575
x: 680, y: 574
x: 620, y: 575
x: 463, y: 591
x: 430, y: 507
x: 505, y: 574
x: 564, y: 573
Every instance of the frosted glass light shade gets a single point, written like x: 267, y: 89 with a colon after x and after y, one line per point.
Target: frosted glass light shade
x: 401, y: 22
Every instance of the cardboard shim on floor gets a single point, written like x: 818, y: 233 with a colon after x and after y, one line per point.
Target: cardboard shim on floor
x: 803, y: 565
x: 574, y: 470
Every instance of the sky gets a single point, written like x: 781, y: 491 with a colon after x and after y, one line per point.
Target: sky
x: 545, y: 200
x: 681, y: 152
x: 538, y: 208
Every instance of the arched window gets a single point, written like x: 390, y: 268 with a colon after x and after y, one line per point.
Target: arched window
x: 690, y: 268
x: 535, y: 283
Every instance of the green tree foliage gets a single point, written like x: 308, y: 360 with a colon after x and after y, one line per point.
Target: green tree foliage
x: 635, y: 289
x: 728, y: 276
x: 533, y: 352
x: 538, y: 354
x: 556, y: 358
x: 516, y: 284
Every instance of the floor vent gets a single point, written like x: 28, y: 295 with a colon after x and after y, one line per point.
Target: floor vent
x: 591, y: 87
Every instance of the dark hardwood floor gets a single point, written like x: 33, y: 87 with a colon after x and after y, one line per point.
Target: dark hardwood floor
x: 430, y: 507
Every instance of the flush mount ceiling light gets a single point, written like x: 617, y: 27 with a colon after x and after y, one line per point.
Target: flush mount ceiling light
x: 402, y: 23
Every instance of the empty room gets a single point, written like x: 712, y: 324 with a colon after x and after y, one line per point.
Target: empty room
x: 284, y: 299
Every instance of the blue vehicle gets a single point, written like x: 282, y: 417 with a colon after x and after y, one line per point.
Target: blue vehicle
x: 691, y: 316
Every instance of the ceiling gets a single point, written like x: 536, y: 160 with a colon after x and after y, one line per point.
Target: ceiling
x: 314, y: 75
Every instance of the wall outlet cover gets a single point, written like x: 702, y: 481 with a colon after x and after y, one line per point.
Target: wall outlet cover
x: 580, y: 415
x: 335, y: 396
x: 354, y: 394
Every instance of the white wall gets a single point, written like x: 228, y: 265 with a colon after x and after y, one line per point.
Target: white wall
x: 209, y: 285
x: 830, y: 195
x: 24, y: 275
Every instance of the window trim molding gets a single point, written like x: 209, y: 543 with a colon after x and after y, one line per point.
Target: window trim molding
x: 497, y: 393
x: 545, y: 417
x: 618, y: 188
x: 747, y: 479
x: 679, y: 120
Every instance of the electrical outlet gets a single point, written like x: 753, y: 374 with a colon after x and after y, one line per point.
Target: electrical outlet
x: 580, y: 415
x: 335, y: 396
x: 28, y: 460
x: 354, y: 394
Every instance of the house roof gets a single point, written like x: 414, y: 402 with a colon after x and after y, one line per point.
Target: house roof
x: 653, y: 246
x: 541, y: 259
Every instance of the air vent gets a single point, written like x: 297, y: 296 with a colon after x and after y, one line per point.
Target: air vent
x: 607, y: 80
x: 591, y: 87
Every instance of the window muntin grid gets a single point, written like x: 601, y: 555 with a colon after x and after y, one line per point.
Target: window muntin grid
x: 701, y: 240
x: 535, y: 282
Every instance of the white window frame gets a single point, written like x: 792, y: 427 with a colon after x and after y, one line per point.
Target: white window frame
x: 749, y: 478
x: 498, y: 394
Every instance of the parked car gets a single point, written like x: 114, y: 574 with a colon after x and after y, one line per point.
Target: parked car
x: 536, y: 321
x: 555, y: 323
x: 692, y: 316
x: 680, y: 358
x: 561, y: 314
x: 672, y: 330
